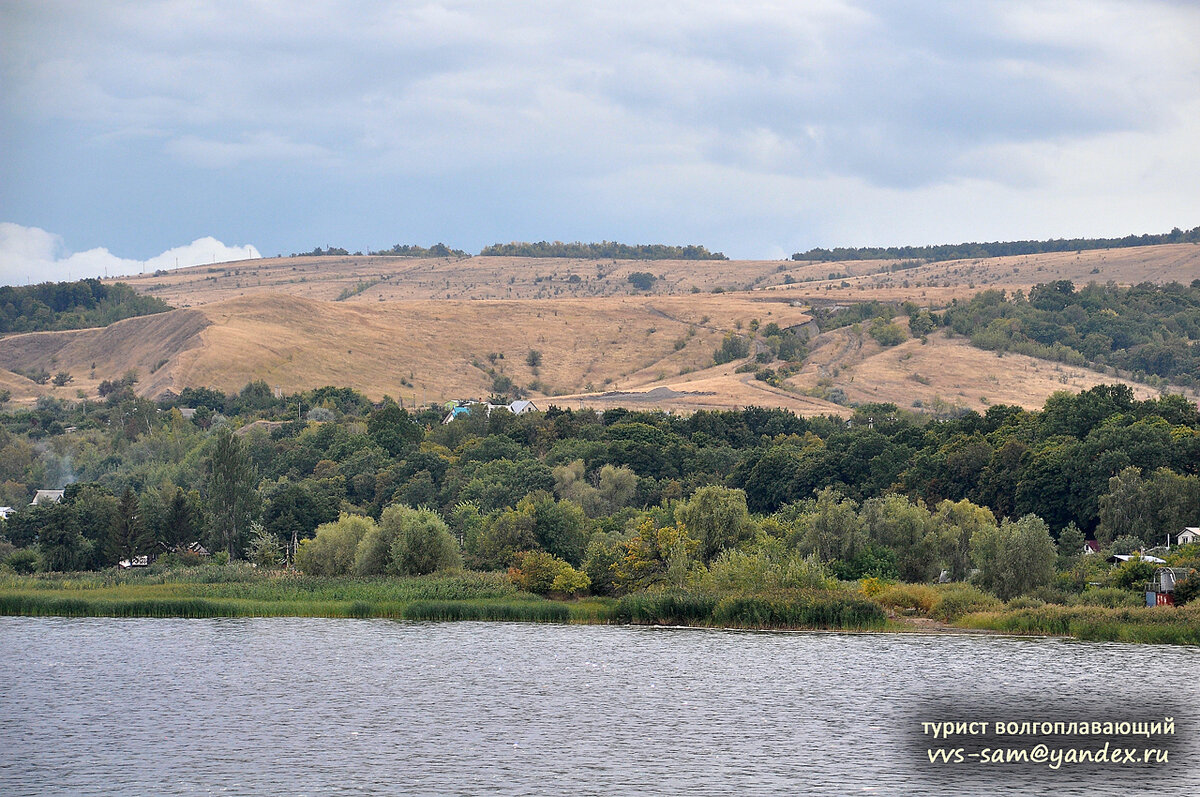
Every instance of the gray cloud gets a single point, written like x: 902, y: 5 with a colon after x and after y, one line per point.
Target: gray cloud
x: 571, y: 105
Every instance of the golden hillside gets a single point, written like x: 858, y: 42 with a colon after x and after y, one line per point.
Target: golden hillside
x: 433, y: 329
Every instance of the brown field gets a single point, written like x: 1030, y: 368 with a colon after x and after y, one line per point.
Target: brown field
x: 427, y: 330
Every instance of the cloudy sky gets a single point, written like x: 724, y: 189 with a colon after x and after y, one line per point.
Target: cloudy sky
x: 199, y: 131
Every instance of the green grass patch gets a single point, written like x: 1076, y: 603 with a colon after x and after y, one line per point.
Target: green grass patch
x: 1165, y: 625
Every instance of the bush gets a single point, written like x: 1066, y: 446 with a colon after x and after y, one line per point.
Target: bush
x: 733, y: 347
x: 1109, y: 597
x: 332, y: 551
x: 960, y: 599
x: 538, y: 571
x: 1024, y: 602
x: 1187, y: 589
x: 422, y: 542
x: 24, y: 560
x: 915, y: 597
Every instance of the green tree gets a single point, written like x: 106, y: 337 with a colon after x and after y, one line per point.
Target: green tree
x: 1014, y: 558
x: 392, y: 428
x: 1070, y: 546
x: 422, y: 542
x: 1125, y: 511
x: 128, y: 536
x: 232, y: 498
x: 956, y: 525
x: 264, y: 550
x: 829, y: 527
x: 332, y: 551
x: 60, y: 543
x: 717, y: 518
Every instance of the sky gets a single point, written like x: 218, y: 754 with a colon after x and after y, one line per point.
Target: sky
x: 137, y: 135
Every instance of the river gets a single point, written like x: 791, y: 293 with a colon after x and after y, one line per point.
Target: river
x: 102, y: 706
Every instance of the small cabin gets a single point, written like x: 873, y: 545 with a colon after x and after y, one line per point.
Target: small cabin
x: 1189, y: 535
x: 1161, y: 589
x: 137, y: 561
x: 47, y: 497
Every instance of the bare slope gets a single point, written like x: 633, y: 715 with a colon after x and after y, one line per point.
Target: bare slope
x: 383, y: 279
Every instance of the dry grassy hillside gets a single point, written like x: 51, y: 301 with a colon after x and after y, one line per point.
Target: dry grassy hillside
x: 383, y: 279
x: 421, y: 350
x: 434, y: 329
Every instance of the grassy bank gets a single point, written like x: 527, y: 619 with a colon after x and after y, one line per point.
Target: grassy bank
x: 238, y: 591
x: 242, y: 591
x: 1166, y: 625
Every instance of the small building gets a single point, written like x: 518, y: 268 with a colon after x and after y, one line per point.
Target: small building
x: 456, y: 412
x: 1090, y: 547
x: 1117, y: 559
x: 47, y: 497
x: 522, y: 406
x: 197, y: 549
x: 187, y: 412
x: 5, y: 511
x: 1161, y: 589
x: 1189, y: 535
x: 137, y: 561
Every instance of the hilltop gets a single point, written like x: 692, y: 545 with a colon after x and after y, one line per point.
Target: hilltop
x: 431, y: 329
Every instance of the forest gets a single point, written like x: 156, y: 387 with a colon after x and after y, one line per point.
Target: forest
x: 967, y: 251
x: 573, y: 503
x: 71, y: 305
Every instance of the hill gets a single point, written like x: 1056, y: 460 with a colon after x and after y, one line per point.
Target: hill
x: 429, y: 329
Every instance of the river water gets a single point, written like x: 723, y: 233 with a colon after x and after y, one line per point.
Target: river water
x: 103, y: 706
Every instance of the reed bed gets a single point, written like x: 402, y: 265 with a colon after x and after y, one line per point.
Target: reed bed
x: 1166, y: 625
x: 813, y: 610
x: 509, y: 611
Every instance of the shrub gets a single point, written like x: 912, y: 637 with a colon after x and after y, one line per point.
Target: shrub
x: 332, y: 551
x: 960, y: 599
x: 422, y: 542
x: 24, y: 560
x: 917, y: 597
x: 1109, y: 597
x: 733, y: 347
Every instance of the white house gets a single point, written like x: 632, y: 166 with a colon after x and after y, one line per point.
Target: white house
x: 5, y: 511
x: 47, y: 497
x: 522, y: 406
x: 1189, y: 535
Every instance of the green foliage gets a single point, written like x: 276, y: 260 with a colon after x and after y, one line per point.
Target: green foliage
x: 71, y: 305
x: 264, y: 549
x: 972, y: 251
x: 733, y: 347
x: 333, y: 551
x: 421, y: 542
x: 409, y: 250
x: 717, y: 518
x: 642, y: 280
x: 1014, y: 558
x: 887, y: 333
x: 1146, y: 329
x: 1134, y: 574
x: 604, y: 250
x: 767, y: 567
x: 1163, y: 626
x: 233, y: 501
x: 1186, y: 589
x: 541, y: 573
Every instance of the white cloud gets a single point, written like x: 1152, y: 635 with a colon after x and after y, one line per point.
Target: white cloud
x: 30, y: 254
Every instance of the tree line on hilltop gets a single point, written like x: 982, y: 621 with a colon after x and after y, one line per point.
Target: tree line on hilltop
x: 969, y: 251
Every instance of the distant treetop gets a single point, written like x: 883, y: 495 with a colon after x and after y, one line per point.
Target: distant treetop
x: 604, y: 249
x: 437, y: 250
x: 319, y: 252
x: 995, y: 249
